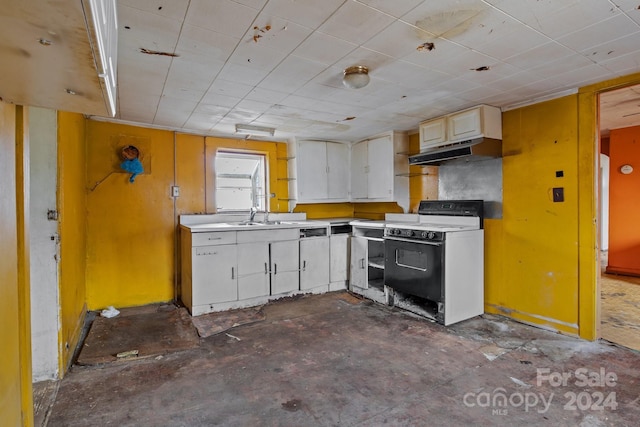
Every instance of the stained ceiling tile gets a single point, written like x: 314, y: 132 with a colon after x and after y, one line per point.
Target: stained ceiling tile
x: 398, y: 40
x: 444, y: 17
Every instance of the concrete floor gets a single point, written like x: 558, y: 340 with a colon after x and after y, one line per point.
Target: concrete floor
x: 333, y: 360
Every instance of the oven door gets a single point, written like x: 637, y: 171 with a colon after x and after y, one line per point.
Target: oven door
x: 414, y: 267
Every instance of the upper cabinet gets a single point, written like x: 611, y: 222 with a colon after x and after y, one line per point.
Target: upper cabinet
x: 372, y: 170
x: 380, y: 169
x: 322, y: 171
x: 433, y: 133
x: 481, y: 121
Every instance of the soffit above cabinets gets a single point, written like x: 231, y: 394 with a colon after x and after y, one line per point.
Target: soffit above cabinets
x: 203, y: 66
x: 47, y: 57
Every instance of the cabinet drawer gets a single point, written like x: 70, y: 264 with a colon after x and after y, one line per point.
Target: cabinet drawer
x: 213, y: 238
x: 268, y: 235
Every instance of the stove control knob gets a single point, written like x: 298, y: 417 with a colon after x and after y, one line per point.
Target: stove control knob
x: 410, y: 233
x: 425, y: 235
x: 431, y: 234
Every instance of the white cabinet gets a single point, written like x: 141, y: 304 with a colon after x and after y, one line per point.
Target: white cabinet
x: 268, y: 262
x: 367, y: 264
x: 380, y: 169
x: 314, y: 263
x: 284, y: 267
x: 483, y: 120
x: 338, y: 172
x: 339, y: 261
x: 214, y: 277
x: 359, y: 255
x: 480, y: 121
x: 253, y: 270
x: 322, y: 171
x: 433, y: 133
x: 367, y: 258
x: 209, y: 271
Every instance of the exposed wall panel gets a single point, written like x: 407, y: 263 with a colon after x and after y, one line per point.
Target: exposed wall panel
x: 44, y: 241
x: 476, y: 180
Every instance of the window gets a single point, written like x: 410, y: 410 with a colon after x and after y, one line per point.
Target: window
x: 240, y: 181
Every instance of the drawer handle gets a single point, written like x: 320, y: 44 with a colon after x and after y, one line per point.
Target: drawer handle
x: 265, y: 268
x: 304, y: 265
x: 275, y: 269
x: 362, y: 263
x: 215, y: 238
x: 232, y: 274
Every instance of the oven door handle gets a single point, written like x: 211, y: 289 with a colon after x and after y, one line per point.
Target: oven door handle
x: 399, y: 264
x: 417, y: 242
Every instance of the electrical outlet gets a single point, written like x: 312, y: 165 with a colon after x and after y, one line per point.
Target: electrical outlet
x: 175, y: 191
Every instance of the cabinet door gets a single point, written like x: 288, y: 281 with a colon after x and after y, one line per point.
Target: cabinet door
x: 314, y: 262
x: 380, y: 176
x: 359, y: 170
x: 433, y: 133
x: 214, y: 275
x: 339, y: 250
x: 311, y: 158
x: 337, y: 171
x: 464, y: 125
x: 253, y: 270
x: 285, y: 262
x: 359, y: 276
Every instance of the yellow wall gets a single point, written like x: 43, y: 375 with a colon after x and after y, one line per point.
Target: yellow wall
x: 533, y: 251
x: 72, y: 202
x: 132, y: 245
x: 14, y: 389
x: 130, y: 226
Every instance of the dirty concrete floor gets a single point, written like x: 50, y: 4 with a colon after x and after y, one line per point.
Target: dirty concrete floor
x: 331, y: 360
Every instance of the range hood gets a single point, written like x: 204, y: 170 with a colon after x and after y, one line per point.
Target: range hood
x: 472, y: 149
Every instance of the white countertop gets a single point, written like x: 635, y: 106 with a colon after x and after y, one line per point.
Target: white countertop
x: 239, y: 226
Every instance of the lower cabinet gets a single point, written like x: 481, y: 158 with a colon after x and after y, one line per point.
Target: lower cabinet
x: 314, y: 263
x: 367, y: 264
x: 284, y: 267
x: 268, y: 262
x: 234, y: 269
x: 253, y: 270
x: 219, y: 287
x: 267, y: 268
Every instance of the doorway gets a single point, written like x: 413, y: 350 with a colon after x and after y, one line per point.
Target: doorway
x: 619, y: 285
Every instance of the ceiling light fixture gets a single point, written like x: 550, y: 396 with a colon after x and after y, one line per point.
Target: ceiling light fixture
x: 255, y: 130
x: 356, y: 77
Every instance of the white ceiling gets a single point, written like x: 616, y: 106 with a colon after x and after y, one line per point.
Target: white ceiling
x: 278, y: 63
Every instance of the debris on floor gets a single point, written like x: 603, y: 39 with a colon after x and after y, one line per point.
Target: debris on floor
x: 138, y: 333
x: 318, y: 361
x: 215, y: 323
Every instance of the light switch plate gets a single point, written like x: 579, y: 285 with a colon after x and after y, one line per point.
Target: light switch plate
x: 175, y: 191
x: 558, y: 194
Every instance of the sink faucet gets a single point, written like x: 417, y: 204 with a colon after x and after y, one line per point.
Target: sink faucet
x: 252, y: 213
